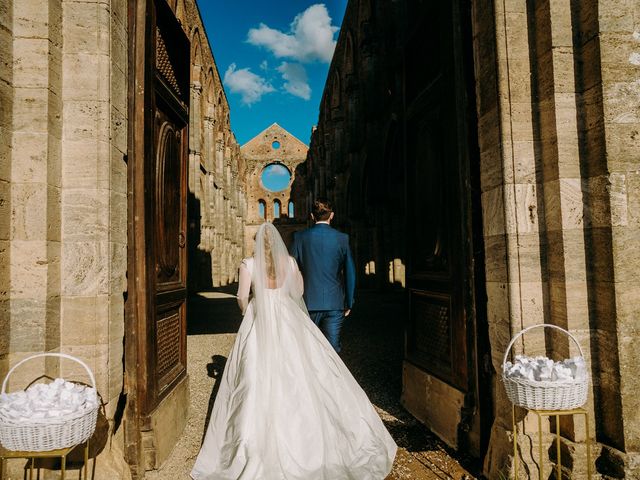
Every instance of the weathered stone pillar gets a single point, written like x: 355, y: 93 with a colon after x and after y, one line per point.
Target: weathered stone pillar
x: 515, y: 282
x: 94, y: 198
x: 219, y: 170
x: 216, y: 257
x: 616, y: 124
x: 559, y: 195
x: 35, y: 185
x: 194, y: 135
x: 66, y: 67
x: 6, y: 129
x: 209, y: 148
x: 94, y: 204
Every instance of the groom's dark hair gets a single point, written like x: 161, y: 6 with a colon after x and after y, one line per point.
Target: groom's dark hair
x: 322, y: 209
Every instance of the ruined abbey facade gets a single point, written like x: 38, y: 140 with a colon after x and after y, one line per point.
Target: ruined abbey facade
x: 287, y: 208
x: 484, y: 154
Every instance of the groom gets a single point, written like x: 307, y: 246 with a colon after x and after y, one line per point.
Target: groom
x: 324, y: 258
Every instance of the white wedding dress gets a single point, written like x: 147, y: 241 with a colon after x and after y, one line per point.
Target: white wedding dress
x: 287, y: 407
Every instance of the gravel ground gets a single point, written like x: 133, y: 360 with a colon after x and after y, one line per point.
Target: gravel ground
x: 372, y: 349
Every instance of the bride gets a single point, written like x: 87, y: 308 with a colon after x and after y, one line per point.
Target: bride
x: 287, y: 407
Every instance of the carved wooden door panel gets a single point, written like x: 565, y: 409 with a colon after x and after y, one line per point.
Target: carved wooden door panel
x: 445, y: 273
x: 166, y: 203
x: 436, y: 339
x: 155, y: 333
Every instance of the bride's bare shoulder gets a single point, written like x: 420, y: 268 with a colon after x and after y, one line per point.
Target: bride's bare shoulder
x: 294, y: 263
x: 247, y: 262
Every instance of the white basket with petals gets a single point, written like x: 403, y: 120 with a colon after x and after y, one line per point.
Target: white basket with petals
x: 20, y: 433
x: 542, y: 394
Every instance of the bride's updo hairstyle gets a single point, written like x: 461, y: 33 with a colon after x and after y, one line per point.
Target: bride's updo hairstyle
x: 322, y: 209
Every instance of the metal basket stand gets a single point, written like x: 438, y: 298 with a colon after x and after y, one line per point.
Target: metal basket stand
x: 62, y: 453
x: 5, y: 454
x: 550, y: 413
x: 545, y: 413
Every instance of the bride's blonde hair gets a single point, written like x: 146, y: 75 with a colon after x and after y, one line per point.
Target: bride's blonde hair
x: 268, y: 258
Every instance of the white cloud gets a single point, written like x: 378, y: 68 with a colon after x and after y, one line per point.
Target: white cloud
x: 296, y: 81
x: 310, y: 37
x: 276, y: 171
x: 247, y: 84
x: 264, y: 65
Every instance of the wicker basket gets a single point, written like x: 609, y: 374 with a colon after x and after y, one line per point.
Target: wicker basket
x: 545, y: 395
x: 41, y: 435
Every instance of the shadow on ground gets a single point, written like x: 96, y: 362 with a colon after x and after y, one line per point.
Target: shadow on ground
x: 373, y: 349
x: 213, y: 311
x: 214, y: 370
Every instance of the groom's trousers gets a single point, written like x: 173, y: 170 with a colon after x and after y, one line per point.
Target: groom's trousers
x: 330, y: 323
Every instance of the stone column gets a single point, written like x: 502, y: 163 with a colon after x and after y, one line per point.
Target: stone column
x: 568, y: 182
x: 67, y: 227
x: 618, y: 130
x: 94, y: 199
x: 218, y: 253
x: 556, y: 90
x: 6, y: 129
x: 210, y: 206
x: 35, y: 185
x: 209, y: 148
x: 510, y: 208
x: 219, y: 158
x: 194, y: 136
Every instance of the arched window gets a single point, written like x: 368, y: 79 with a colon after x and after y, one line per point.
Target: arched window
x: 335, y: 91
x: 365, y: 10
x: 277, y: 208
x: 262, y: 209
x: 348, y: 55
x: 275, y: 177
x: 291, y: 209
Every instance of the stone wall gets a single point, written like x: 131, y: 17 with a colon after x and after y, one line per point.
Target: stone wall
x: 6, y: 129
x: 356, y: 154
x: 217, y: 203
x: 63, y: 114
x: 618, y: 128
x: 63, y: 192
x: 559, y: 181
x: 257, y: 154
x: 556, y: 94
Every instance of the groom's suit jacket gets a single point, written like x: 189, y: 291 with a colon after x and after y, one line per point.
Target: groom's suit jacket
x: 325, y: 260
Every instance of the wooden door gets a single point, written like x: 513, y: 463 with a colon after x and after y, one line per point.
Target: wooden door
x: 155, y: 338
x: 166, y: 202
x: 447, y: 329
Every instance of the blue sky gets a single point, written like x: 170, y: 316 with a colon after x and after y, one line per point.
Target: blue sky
x: 276, y: 177
x: 273, y: 69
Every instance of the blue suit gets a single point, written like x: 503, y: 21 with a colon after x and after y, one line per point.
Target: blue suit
x: 325, y: 260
